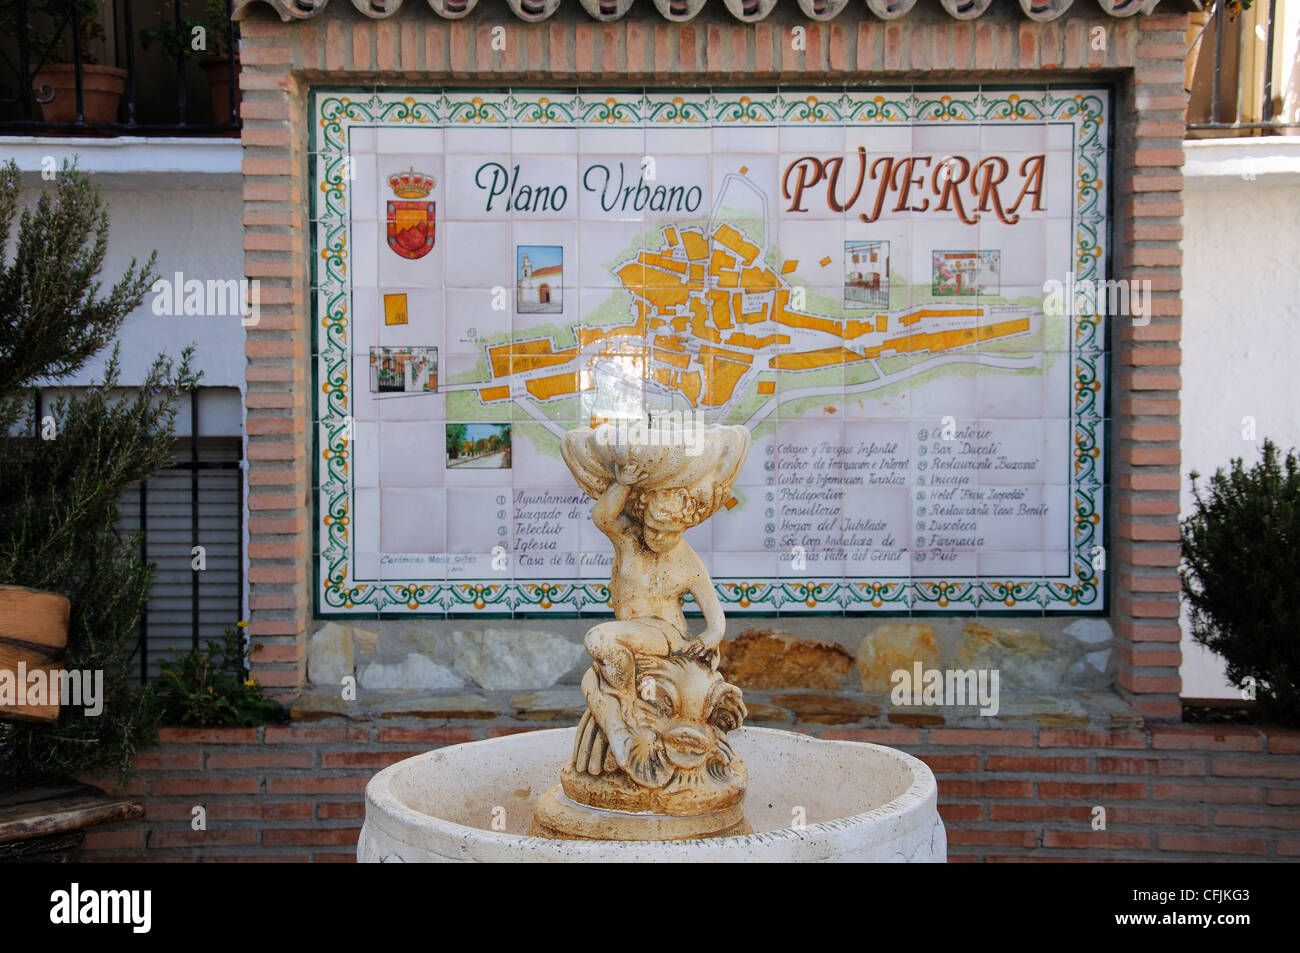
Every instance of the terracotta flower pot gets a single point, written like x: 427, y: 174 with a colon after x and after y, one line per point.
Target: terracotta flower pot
x: 217, y: 69
x: 1196, y: 21
x: 101, y: 92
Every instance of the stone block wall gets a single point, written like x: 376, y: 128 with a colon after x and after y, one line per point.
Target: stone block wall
x: 368, y: 668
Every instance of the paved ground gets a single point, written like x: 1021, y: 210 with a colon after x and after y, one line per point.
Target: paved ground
x: 493, y: 461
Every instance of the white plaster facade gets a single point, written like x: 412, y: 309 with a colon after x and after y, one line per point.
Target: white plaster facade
x: 1241, y: 321
x: 183, y: 198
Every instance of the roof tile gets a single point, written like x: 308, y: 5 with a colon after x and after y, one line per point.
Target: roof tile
x: 747, y: 11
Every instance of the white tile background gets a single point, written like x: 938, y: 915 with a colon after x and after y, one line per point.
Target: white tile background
x: 407, y: 501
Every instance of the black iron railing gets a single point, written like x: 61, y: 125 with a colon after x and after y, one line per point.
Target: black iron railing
x: 211, y: 602
x: 39, y: 38
x: 196, y: 501
x: 1231, y: 69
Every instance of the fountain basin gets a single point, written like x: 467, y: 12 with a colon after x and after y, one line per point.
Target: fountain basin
x: 808, y: 800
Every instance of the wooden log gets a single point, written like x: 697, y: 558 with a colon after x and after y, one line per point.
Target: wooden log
x: 55, y: 849
x: 17, y: 664
x: 36, y: 618
x: 57, y: 808
x: 33, y: 635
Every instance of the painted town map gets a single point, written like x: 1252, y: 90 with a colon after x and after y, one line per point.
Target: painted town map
x: 858, y: 276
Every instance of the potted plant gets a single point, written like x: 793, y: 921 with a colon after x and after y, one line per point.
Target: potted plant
x: 198, y: 37
x: 1199, y: 66
x: 54, y: 84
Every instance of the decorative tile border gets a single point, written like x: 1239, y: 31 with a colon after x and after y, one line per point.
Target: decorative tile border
x: 335, y: 112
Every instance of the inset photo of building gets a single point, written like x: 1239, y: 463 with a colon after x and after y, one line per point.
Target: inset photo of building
x: 539, y: 279
x: 866, y: 275
x: 966, y: 272
x: 403, y: 370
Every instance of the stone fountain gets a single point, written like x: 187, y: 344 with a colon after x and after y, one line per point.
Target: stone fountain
x: 659, y: 767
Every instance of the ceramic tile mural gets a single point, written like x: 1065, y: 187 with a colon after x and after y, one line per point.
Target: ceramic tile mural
x: 860, y: 276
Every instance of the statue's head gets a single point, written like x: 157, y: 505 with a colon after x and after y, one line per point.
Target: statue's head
x: 664, y: 515
x: 660, y: 540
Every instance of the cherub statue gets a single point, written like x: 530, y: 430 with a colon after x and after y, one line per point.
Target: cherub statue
x: 647, y: 495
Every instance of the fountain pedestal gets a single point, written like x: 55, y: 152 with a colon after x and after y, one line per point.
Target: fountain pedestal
x: 558, y: 817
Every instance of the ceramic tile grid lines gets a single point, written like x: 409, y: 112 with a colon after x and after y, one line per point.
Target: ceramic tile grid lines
x: 921, y: 438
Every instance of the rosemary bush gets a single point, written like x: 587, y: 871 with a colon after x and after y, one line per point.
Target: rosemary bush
x: 63, y: 473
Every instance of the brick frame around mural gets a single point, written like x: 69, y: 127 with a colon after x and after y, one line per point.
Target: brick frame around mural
x: 1143, y: 58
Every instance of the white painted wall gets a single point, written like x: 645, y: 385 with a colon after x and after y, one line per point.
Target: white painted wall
x: 182, y: 198
x: 195, y: 232
x: 1241, y: 322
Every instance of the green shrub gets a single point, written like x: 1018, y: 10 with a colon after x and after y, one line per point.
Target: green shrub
x: 63, y: 471
x: 212, y: 688
x: 1241, y: 553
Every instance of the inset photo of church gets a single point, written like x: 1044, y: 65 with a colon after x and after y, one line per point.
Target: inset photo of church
x: 539, y: 279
